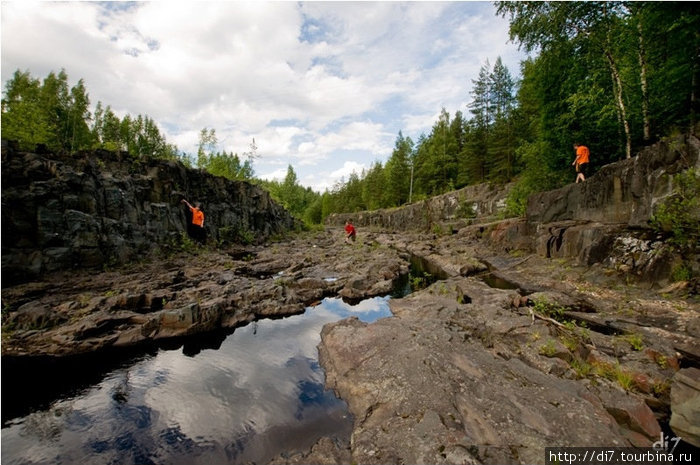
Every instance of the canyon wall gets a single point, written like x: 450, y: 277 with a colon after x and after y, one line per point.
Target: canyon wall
x: 606, y: 219
x: 102, y: 208
x: 460, y: 207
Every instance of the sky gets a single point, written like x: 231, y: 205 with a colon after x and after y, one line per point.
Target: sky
x: 322, y: 86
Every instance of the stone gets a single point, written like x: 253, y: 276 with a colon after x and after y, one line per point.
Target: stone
x: 418, y: 391
x: 623, y: 192
x: 34, y: 315
x: 478, y: 201
x: 179, y: 296
x: 462, y: 372
x: 685, y: 405
x: 630, y: 411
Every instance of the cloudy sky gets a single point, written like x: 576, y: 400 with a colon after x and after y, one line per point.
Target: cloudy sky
x: 323, y: 86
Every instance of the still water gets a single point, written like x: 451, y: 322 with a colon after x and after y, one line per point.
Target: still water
x: 260, y: 393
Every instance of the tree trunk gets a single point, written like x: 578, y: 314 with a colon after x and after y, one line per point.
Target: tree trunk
x: 693, y: 92
x: 645, y: 86
x: 617, y: 88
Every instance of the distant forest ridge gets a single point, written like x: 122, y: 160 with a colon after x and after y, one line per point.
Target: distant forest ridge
x: 613, y: 76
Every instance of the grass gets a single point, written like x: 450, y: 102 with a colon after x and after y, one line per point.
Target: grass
x: 548, y: 349
x: 582, y: 368
x: 634, y: 340
x: 554, y: 311
x: 614, y: 372
x: 661, y: 388
x: 570, y: 341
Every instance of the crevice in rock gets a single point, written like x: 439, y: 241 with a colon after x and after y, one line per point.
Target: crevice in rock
x: 556, y: 238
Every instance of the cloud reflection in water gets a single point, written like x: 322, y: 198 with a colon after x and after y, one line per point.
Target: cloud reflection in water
x: 259, y: 393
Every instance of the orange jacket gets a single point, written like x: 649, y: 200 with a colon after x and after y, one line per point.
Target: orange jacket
x: 582, y: 154
x: 197, y: 217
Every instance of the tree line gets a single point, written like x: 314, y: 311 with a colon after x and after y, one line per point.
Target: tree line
x: 58, y: 117
x: 612, y: 75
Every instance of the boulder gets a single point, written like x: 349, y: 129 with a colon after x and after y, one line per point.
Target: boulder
x: 685, y: 405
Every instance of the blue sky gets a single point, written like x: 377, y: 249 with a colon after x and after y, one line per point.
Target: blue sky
x: 323, y: 86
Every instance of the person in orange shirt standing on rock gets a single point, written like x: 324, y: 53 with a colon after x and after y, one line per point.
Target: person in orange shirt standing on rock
x: 581, y: 161
x: 196, y: 227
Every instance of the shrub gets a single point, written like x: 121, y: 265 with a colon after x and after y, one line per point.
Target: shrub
x: 677, y: 215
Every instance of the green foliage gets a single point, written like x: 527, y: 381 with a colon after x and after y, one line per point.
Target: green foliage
x: 615, y: 373
x: 419, y: 280
x: 227, y: 165
x: 548, y: 309
x: 678, y: 215
x: 548, y: 349
x: 681, y: 272
x: 466, y: 209
x: 634, y: 340
x: 457, y: 152
x: 582, y: 368
x: 187, y: 244
x: 52, y: 114
x: 236, y: 235
x: 302, y: 202
x: 46, y: 113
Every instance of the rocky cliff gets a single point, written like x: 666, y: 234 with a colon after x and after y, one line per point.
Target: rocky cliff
x: 605, y: 219
x: 88, y: 210
x: 626, y: 192
x: 533, y: 336
x: 556, y: 329
x: 451, y: 210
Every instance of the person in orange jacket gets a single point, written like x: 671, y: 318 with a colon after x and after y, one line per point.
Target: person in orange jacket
x: 196, y: 227
x: 581, y: 161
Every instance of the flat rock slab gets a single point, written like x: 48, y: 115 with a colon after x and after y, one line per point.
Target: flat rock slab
x: 426, y: 391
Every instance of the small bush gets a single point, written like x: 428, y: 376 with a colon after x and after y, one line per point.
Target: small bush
x: 548, y: 349
x: 543, y: 307
x: 634, y: 340
x: 466, y: 209
x: 677, y: 215
x: 681, y: 272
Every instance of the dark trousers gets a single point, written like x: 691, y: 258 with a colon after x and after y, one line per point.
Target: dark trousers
x: 197, y: 233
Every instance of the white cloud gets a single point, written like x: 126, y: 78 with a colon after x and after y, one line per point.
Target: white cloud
x: 322, y: 180
x: 320, y: 85
x: 277, y: 175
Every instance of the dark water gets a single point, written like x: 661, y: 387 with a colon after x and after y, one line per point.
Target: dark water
x: 497, y: 282
x: 260, y: 393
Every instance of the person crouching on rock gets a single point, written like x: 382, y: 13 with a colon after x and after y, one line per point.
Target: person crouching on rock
x: 195, y: 228
x: 350, y: 232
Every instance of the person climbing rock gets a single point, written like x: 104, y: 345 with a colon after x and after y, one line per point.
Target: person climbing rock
x: 350, y: 232
x: 581, y: 161
x: 195, y: 227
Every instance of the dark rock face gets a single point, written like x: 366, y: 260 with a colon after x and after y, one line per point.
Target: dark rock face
x: 625, y: 192
x: 92, y: 209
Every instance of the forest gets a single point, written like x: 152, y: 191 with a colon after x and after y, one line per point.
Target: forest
x: 614, y: 76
